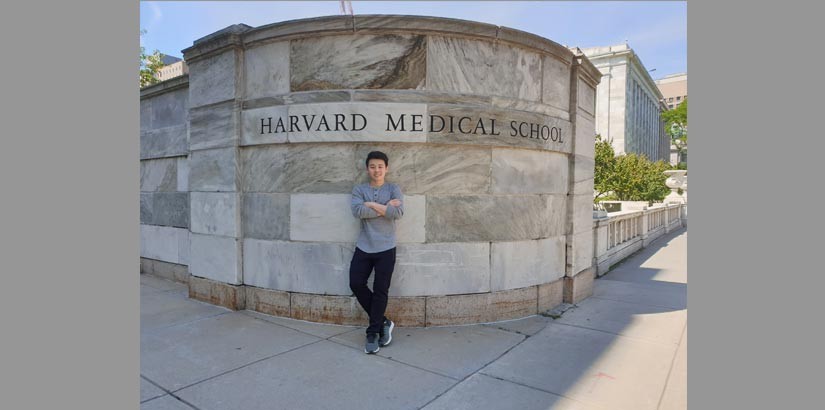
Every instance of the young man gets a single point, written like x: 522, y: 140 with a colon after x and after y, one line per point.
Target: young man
x: 378, y: 204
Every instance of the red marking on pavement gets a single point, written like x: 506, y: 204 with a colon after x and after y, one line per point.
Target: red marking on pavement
x: 602, y: 375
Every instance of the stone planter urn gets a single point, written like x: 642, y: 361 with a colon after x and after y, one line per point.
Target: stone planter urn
x: 676, y: 179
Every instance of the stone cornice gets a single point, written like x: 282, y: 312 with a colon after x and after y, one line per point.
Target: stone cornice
x: 242, y: 35
x: 215, y: 43
x: 587, y: 70
x: 163, y: 87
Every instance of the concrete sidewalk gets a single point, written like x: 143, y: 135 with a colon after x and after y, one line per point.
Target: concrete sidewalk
x: 623, y: 348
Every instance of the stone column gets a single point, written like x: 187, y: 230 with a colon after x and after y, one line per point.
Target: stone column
x: 215, y: 92
x: 580, y: 270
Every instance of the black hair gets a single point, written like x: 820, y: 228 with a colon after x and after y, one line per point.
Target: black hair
x: 377, y: 155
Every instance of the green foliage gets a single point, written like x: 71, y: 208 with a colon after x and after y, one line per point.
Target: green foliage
x: 605, y: 162
x: 150, y: 64
x: 627, y: 177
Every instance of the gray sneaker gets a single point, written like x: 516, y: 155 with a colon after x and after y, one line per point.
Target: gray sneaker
x: 386, y: 333
x: 372, y: 344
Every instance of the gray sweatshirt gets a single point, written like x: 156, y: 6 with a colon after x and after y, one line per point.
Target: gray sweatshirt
x: 377, y: 232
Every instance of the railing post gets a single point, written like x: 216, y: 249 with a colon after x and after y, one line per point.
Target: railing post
x: 645, y: 226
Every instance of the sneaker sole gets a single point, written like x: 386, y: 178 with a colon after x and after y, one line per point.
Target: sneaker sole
x: 376, y: 351
x: 392, y: 326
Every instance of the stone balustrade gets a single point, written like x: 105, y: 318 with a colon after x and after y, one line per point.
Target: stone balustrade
x: 621, y: 234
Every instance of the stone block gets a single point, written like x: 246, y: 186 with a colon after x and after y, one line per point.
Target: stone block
x: 516, y: 171
x: 397, y: 61
x: 521, y: 264
x: 267, y: 70
x: 183, y: 247
x: 213, y: 79
x: 216, y: 258
x: 498, y: 127
x: 145, y: 114
x: 580, y: 252
x: 263, y: 169
x: 441, y: 269
x: 321, y: 168
x: 457, y: 309
x: 183, y: 174
x: 171, y: 209
x: 170, y: 109
x: 583, y: 175
x: 407, y: 311
x: 213, y: 170
x: 586, y: 137
x: 322, y: 218
x: 453, y: 65
x: 158, y: 175
x: 265, y: 216
x: 164, y: 142
x: 261, y: 125
x: 486, y: 218
x: 146, y: 265
x: 298, y: 267
x: 512, y: 304
x: 410, y: 228
x: 146, y: 208
x: 216, y: 213
x: 217, y: 293
x: 556, y: 215
x: 551, y: 295
x: 420, y: 96
x: 530, y: 106
x: 420, y: 169
x: 586, y: 97
x: 271, y: 302
x: 171, y: 271
x: 160, y: 243
x: 340, y: 310
x: 334, y: 122
x: 555, y: 89
x: 580, y: 215
x: 213, y: 126
x: 579, y: 287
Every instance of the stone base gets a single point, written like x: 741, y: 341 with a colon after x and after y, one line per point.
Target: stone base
x: 167, y: 270
x: 579, y: 287
x: 404, y: 311
x: 217, y: 293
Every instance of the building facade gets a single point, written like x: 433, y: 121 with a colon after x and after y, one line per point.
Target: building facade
x: 173, y: 67
x: 628, y: 103
x: 674, y: 89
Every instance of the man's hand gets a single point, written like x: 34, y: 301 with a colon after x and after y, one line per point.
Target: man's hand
x: 378, y: 208
x: 394, y: 202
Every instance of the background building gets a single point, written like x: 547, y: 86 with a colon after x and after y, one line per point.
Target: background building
x: 174, y: 67
x: 673, y: 88
x: 628, y: 103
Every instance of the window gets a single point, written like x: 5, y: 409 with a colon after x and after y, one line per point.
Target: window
x: 670, y: 106
x: 679, y: 98
x: 670, y: 99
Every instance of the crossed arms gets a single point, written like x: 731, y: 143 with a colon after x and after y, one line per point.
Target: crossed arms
x: 363, y: 210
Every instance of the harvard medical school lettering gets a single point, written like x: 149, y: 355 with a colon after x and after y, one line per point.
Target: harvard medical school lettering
x: 411, y: 123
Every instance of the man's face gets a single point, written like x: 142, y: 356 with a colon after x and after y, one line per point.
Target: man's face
x: 377, y: 170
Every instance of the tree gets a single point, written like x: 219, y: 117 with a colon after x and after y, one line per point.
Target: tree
x: 627, y: 177
x: 676, y: 126
x: 603, y: 169
x: 150, y: 65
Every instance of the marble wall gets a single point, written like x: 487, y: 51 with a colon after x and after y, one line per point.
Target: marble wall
x: 486, y: 130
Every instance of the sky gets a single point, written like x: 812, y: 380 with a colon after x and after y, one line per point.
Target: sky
x: 655, y: 30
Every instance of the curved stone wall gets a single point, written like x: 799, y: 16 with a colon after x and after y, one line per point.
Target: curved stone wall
x: 482, y: 127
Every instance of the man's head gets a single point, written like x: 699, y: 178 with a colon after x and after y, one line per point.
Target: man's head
x: 377, y: 166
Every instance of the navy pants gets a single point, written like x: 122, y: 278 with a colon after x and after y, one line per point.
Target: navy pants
x: 374, y: 302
